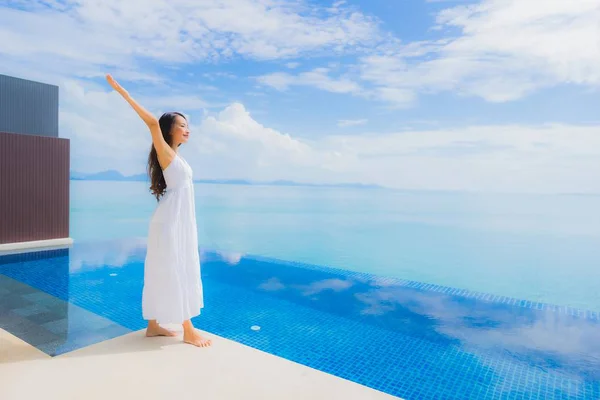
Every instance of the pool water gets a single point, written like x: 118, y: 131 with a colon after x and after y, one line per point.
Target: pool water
x: 409, y: 339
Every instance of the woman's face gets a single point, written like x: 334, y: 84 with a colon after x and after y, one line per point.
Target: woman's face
x: 180, y: 130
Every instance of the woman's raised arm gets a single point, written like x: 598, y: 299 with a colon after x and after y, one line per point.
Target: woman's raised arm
x: 164, y: 152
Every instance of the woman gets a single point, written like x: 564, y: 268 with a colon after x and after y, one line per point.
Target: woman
x: 172, y: 290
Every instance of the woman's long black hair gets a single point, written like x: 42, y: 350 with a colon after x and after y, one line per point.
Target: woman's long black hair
x: 155, y: 172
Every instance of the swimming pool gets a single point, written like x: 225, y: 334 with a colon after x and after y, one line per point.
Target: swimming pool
x: 412, y: 340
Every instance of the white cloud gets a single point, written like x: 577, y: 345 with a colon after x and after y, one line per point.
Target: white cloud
x: 351, y: 122
x: 321, y: 78
x: 549, y: 158
x: 232, y: 144
x: 175, y: 102
x: 498, y: 50
x: 218, y: 74
x: 52, y: 41
x: 278, y: 80
x: 317, y: 78
x: 556, y: 44
x: 92, y: 35
x: 505, y: 50
x: 57, y: 43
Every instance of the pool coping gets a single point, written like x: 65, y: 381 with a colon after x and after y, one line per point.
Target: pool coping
x: 35, y: 245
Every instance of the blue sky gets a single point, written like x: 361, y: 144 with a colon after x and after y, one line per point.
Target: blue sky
x: 488, y: 95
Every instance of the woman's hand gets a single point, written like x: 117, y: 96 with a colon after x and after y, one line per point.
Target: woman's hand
x: 115, y: 85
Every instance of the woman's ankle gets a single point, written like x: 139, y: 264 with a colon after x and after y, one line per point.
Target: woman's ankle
x: 188, y: 326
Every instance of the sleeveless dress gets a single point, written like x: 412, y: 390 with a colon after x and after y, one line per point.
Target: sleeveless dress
x: 172, y: 291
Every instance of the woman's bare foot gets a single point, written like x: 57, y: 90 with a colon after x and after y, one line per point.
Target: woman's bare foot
x: 191, y: 336
x: 154, y: 329
x: 196, y: 339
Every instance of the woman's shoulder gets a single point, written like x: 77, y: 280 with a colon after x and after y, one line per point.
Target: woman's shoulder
x: 173, y: 161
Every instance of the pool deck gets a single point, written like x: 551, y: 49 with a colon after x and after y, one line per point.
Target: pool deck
x: 133, y: 366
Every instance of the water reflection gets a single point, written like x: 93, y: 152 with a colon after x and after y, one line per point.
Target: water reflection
x: 542, y: 341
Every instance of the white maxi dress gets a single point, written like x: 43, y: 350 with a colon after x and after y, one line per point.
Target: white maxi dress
x: 172, y: 291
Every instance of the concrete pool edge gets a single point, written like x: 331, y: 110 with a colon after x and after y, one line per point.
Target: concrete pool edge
x: 227, y: 370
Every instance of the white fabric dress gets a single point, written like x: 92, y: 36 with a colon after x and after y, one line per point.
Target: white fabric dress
x: 172, y: 290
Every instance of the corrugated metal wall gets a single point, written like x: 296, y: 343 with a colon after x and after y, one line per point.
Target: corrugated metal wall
x: 34, y: 187
x: 28, y: 107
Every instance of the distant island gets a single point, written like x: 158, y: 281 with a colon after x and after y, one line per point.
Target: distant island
x: 113, y: 175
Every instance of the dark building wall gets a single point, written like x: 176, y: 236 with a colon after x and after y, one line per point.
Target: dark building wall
x: 34, y: 188
x: 28, y: 107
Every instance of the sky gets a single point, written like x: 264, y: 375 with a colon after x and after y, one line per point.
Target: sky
x: 488, y: 95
